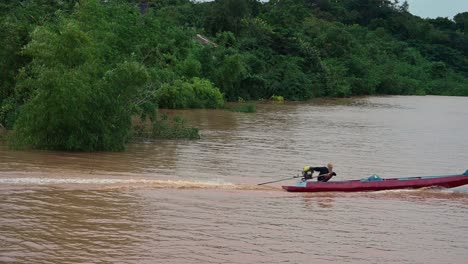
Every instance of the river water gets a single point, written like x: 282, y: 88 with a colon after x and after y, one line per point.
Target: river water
x: 199, y: 202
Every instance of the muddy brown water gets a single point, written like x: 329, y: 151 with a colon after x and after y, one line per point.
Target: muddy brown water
x: 199, y: 202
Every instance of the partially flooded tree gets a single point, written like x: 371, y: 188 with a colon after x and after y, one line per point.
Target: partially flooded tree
x: 74, y: 98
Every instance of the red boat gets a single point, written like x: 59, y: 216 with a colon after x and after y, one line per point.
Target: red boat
x: 375, y: 183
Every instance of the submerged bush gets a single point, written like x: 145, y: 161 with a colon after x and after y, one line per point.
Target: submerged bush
x: 69, y: 112
x: 196, y: 93
x: 244, y: 108
x: 163, y: 127
x: 175, y: 128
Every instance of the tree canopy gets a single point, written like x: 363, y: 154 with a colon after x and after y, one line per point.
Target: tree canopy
x: 74, y: 72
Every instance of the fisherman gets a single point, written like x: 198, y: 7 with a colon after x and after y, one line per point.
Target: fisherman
x: 325, y: 173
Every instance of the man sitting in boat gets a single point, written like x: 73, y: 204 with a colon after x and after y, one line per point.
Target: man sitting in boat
x: 325, y: 173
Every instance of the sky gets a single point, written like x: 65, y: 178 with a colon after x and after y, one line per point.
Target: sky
x: 437, y: 8
x: 431, y: 8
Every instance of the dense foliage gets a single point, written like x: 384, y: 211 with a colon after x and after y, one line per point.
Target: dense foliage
x: 196, y: 93
x: 74, y: 72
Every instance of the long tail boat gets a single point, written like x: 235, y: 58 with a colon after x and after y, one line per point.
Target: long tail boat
x: 375, y: 183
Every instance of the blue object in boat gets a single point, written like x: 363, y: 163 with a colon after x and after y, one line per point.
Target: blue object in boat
x: 374, y: 177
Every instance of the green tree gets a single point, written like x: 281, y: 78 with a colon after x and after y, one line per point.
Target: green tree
x: 74, y: 99
x: 226, y: 15
x: 461, y: 20
x: 230, y: 73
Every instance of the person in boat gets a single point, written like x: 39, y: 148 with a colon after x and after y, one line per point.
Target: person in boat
x: 325, y: 173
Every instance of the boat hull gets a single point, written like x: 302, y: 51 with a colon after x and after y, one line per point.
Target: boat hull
x: 384, y: 184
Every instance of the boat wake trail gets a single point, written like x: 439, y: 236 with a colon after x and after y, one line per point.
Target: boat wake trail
x: 127, y: 183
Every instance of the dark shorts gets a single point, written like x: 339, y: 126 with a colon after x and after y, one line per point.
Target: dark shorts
x: 323, y: 178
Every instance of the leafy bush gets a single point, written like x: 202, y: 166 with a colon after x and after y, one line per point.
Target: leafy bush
x: 72, y: 112
x: 277, y: 98
x: 8, y: 112
x: 196, y: 93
